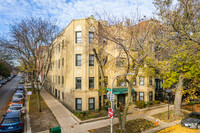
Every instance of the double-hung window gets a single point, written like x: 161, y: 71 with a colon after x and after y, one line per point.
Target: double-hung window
x: 91, y: 60
x: 58, y: 79
x: 134, y: 82
x: 63, y: 44
x: 134, y: 96
x: 62, y: 80
x: 78, y: 37
x: 78, y: 82
x: 141, y: 80
x: 141, y: 96
x: 58, y: 63
x: 91, y: 82
x: 151, y: 96
x: 62, y: 61
x: 150, y: 80
x: 91, y: 104
x: 78, y: 104
x: 91, y: 37
x: 78, y: 59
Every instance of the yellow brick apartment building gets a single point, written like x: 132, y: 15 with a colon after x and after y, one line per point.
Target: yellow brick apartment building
x: 74, y: 74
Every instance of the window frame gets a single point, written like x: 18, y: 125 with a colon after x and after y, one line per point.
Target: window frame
x: 91, y: 62
x: 93, y: 104
x: 141, y: 96
x: 141, y: 80
x: 76, y: 104
x: 63, y: 44
x: 78, y: 41
x: 134, y: 96
x: 63, y: 97
x: 91, y: 85
x: 62, y: 61
x: 63, y: 80
x: 150, y: 80
x: 91, y: 39
x: 78, y: 61
x: 59, y: 63
x: 77, y: 85
x: 58, y: 79
x: 151, y: 96
x: 134, y: 82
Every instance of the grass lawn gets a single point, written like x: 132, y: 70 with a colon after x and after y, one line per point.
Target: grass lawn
x: 91, y: 114
x: 132, y: 126
x: 40, y: 121
x: 172, y: 117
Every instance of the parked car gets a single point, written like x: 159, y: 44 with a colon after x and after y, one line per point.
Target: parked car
x: 20, y: 91
x: 3, y: 81
x: 192, y: 120
x: 18, y: 96
x: 20, y: 88
x: 15, y: 101
x: 12, y: 122
x: 16, y: 107
x: 21, y: 81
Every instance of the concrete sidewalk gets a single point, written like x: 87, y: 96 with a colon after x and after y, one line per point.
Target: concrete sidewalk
x: 70, y: 125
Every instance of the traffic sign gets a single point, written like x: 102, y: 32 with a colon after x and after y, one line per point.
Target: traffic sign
x: 112, y: 97
x: 110, y: 113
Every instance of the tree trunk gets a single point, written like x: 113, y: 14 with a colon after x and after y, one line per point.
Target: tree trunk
x: 126, y: 107
x: 119, y: 117
x: 38, y: 97
x: 178, y: 96
x: 33, y: 86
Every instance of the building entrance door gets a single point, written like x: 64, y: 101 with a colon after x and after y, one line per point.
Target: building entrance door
x: 120, y: 99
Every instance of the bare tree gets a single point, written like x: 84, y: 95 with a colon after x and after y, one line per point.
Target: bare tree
x: 129, y: 45
x: 28, y: 39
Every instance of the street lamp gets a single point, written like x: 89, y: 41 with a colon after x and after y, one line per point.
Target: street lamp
x: 168, y: 105
x: 111, y: 97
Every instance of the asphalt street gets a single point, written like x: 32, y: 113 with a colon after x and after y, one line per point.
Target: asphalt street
x: 7, y: 90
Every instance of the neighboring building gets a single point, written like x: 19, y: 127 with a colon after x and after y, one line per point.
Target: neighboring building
x: 74, y: 74
x: 40, y: 62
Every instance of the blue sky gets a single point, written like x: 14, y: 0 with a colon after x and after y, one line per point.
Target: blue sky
x: 66, y: 10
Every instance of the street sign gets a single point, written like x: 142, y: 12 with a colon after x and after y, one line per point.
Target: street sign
x: 29, y: 93
x: 110, y: 113
x: 112, y: 97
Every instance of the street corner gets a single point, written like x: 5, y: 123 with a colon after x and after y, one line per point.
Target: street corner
x: 179, y: 129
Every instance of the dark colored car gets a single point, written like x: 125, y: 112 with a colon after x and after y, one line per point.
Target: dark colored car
x: 20, y: 88
x: 12, y: 122
x: 192, y: 121
x: 3, y: 81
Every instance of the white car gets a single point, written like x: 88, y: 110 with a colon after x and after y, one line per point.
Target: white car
x: 16, y: 107
x: 18, y: 96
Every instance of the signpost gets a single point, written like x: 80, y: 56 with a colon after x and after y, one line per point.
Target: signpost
x: 29, y: 93
x: 112, y: 99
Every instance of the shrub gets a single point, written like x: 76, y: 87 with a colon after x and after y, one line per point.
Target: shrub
x: 190, y: 103
x: 140, y: 104
x: 146, y: 104
x: 106, y: 108
x: 156, y: 102
x: 165, y: 101
x: 150, y: 102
